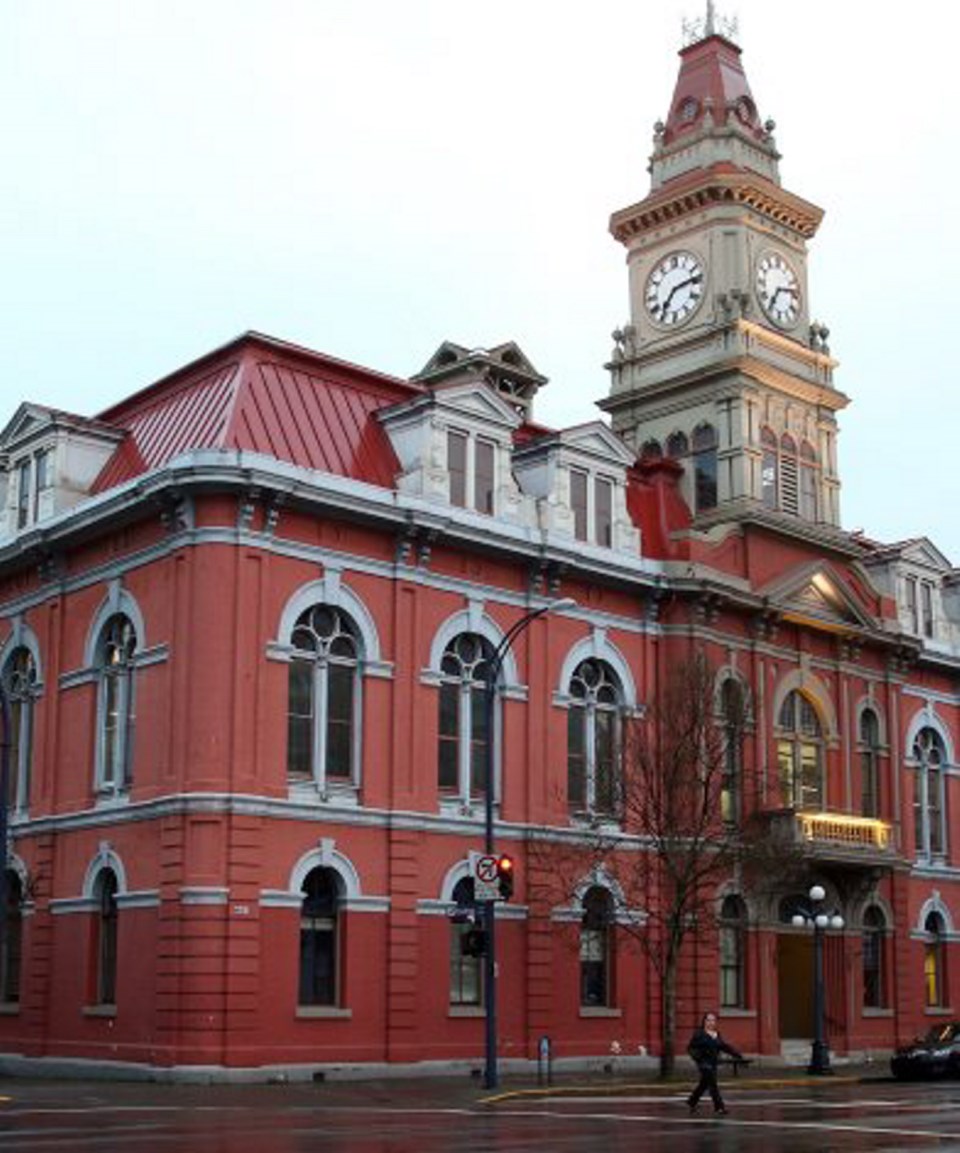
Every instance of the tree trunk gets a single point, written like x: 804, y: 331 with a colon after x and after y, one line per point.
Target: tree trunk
x: 668, y: 1037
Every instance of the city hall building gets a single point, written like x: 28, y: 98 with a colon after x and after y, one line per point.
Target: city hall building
x: 246, y: 619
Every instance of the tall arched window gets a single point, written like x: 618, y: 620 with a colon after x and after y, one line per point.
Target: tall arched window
x: 809, y: 482
x: 466, y: 981
x: 934, y: 962
x: 105, y: 938
x: 930, y: 759
x: 11, y: 945
x: 594, y: 738
x: 705, y: 467
x: 874, y: 975
x: 769, y: 468
x: 789, y: 487
x: 732, y: 718
x: 800, y: 754
x: 869, y: 763
x: 324, y: 687
x: 115, y: 658
x: 597, y: 949
x: 20, y: 683
x: 733, y: 953
x: 320, y: 939
x: 463, y: 736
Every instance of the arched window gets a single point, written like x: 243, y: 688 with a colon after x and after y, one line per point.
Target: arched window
x: 934, y: 962
x: 874, y: 975
x: 105, y: 938
x: 733, y: 953
x: 705, y: 467
x: 324, y: 687
x: 930, y: 759
x: 732, y: 718
x: 800, y: 754
x: 789, y: 489
x: 869, y: 763
x: 809, y: 482
x: 115, y: 709
x: 597, y: 949
x: 677, y: 445
x: 594, y: 738
x: 466, y: 980
x: 320, y: 939
x: 11, y: 943
x: 769, y: 468
x: 463, y: 736
x: 20, y: 683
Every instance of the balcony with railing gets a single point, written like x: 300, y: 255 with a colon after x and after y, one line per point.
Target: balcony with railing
x: 836, y: 838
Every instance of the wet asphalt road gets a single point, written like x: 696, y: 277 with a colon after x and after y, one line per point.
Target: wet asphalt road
x: 429, y: 1117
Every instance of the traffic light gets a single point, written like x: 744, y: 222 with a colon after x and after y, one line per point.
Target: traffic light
x: 505, y: 876
x: 473, y: 943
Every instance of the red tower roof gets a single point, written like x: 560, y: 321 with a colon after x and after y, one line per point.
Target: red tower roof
x: 711, y: 80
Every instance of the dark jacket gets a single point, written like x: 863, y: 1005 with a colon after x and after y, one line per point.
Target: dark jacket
x: 706, y: 1050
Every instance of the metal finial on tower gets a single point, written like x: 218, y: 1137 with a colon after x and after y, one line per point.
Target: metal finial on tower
x: 710, y: 25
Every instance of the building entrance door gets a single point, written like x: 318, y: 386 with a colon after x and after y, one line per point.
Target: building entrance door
x: 795, y: 985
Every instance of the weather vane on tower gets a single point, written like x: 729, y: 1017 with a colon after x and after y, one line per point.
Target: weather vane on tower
x: 709, y: 25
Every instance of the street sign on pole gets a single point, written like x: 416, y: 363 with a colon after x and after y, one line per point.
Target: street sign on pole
x: 486, y: 882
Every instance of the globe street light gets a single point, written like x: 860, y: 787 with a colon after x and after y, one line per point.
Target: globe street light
x: 491, y: 686
x: 816, y: 917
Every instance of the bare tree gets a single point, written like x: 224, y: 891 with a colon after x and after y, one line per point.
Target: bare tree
x: 682, y: 826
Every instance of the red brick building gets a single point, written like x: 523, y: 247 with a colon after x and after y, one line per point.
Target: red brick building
x: 245, y: 617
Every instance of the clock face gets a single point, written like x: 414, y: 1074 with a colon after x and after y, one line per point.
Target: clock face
x: 778, y: 290
x: 674, y: 288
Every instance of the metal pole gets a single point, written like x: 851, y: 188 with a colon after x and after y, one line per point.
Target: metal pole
x: 490, y: 1075
x: 820, y: 1053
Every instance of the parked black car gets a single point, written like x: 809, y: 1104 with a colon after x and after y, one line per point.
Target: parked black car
x: 937, y: 1054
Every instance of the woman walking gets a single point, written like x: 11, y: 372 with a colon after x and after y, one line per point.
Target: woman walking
x: 705, y: 1048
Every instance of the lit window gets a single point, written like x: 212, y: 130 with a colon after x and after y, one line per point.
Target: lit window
x: 934, y: 962
x: 324, y: 686
x: 594, y: 738
x: 800, y: 754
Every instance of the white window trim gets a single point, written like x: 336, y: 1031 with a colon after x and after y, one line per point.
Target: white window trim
x: 473, y: 438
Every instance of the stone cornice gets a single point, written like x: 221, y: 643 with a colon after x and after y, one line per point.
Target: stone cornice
x: 708, y: 189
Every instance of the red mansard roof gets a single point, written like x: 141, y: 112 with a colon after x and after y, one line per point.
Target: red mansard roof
x: 264, y: 396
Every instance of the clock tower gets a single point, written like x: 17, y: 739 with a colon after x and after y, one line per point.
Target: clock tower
x: 721, y: 365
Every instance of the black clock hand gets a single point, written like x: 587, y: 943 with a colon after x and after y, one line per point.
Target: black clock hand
x: 676, y: 288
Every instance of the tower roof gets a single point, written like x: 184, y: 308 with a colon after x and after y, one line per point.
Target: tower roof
x: 711, y: 81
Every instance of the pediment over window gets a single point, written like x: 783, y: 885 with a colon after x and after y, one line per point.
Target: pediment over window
x: 816, y: 593
x: 924, y: 552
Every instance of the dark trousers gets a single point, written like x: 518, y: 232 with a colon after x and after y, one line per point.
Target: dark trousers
x: 706, y: 1084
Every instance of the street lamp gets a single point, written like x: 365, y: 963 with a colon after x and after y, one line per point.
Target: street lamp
x: 490, y: 1078
x: 819, y: 920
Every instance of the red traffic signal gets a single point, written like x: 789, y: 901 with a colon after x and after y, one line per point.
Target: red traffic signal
x: 505, y: 875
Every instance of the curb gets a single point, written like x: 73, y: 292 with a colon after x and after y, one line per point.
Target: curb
x: 646, y: 1088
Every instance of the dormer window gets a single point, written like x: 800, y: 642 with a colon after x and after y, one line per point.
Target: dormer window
x: 23, y: 493
x: 919, y: 605
x: 34, y: 477
x: 471, y: 467
x: 592, y: 520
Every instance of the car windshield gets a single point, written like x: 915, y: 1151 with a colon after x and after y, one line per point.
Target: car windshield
x: 941, y: 1034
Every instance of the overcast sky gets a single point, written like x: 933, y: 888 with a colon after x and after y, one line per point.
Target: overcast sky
x: 371, y: 178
